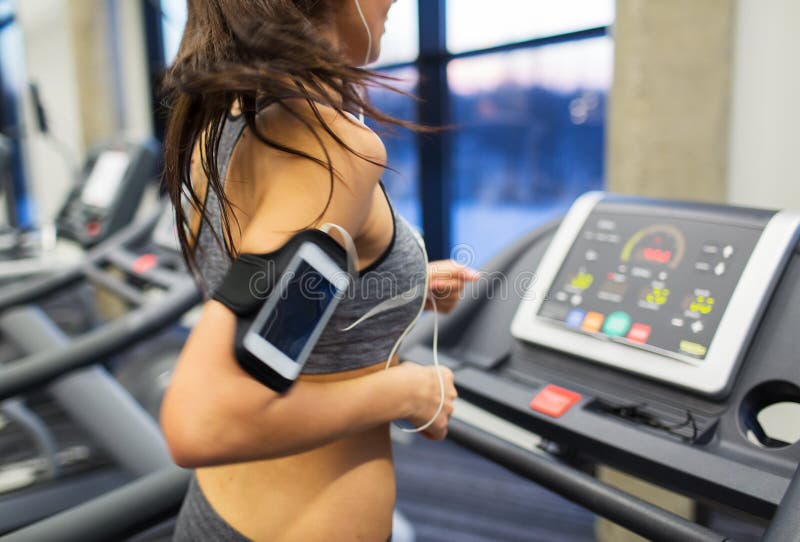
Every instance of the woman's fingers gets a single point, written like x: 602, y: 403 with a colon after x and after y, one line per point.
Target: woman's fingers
x: 446, y: 279
x: 450, y: 270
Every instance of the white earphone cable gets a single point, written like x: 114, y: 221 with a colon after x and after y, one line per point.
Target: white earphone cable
x: 435, y: 344
x: 369, y: 46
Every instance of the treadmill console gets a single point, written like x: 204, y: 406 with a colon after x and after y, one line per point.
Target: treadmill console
x: 109, y: 192
x: 670, y: 292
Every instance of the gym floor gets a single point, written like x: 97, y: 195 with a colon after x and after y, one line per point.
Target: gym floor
x: 450, y: 493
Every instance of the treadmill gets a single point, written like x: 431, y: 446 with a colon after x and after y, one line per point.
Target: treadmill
x: 581, y: 345
x: 647, y: 335
x: 104, y: 200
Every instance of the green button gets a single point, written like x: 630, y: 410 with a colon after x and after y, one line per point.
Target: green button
x: 617, y: 324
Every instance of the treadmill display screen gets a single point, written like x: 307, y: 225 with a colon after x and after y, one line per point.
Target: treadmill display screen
x: 105, y: 179
x: 657, y: 284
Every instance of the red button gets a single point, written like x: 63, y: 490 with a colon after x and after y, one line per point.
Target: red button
x: 554, y: 401
x: 639, y: 333
x: 145, y: 263
x: 93, y: 229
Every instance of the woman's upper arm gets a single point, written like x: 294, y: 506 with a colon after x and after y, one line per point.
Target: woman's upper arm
x: 294, y: 192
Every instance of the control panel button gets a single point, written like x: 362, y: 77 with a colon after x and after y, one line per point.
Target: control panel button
x: 639, y: 333
x: 697, y: 326
x: 727, y: 252
x: 93, y: 228
x: 677, y: 322
x: 703, y: 267
x: 582, y: 281
x: 702, y: 304
x: 617, y: 324
x: 592, y: 322
x: 605, y: 224
x: 575, y: 318
x: 554, y: 400
x: 719, y: 269
x: 693, y: 348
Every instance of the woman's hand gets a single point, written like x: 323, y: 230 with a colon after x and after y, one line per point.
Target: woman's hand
x: 425, y: 395
x: 446, y: 280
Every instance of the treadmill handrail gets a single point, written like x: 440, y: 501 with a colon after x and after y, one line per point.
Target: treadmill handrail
x: 116, y: 515
x: 622, y: 508
x: 28, y: 373
x: 28, y: 291
x: 785, y: 525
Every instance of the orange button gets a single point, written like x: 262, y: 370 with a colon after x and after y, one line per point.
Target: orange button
x: 554, y: 400
x: 593, y: 322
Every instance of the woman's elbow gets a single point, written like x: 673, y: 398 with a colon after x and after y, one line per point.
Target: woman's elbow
x: 188, y: 437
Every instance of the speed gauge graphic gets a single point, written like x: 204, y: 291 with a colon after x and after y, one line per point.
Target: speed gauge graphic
x: 657, y: 245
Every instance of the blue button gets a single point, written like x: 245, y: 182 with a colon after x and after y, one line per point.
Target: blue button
x: 575, y: 318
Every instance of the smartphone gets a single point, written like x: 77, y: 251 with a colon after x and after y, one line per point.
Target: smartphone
x: 296, y: 311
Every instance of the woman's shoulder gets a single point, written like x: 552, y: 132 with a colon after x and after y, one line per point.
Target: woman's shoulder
x: 293, y: 191
x: 318, y: 129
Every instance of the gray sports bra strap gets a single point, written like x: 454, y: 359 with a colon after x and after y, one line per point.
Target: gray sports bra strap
x: 232, y: 130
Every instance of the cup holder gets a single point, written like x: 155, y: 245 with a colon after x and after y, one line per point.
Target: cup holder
x: 769, y: 415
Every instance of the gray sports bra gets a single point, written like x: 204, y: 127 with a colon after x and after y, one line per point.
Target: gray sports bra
x: 400, y: 269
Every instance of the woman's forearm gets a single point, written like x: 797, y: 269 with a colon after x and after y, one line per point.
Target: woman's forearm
x: 312, y: 414
x: 215, y: 413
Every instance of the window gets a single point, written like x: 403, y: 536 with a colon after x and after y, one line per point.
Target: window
x: 530, y: 138
x: 401, y: 178
x: 172, y: 23
x: 524, y: 81
x: 477, y: 24
x: 400, y: 42
x: 399, y: 50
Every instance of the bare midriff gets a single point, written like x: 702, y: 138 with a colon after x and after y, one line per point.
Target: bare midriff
x: 344, y: 490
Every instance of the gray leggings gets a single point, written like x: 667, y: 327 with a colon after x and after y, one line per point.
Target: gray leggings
x: 199, y: 522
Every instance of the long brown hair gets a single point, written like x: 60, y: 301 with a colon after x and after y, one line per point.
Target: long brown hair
x: 251, y: 52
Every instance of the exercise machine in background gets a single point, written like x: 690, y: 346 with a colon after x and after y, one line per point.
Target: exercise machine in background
x: 70, y: 430
x: 106, y: 198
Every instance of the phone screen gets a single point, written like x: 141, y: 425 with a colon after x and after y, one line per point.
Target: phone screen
x: 299, y: 310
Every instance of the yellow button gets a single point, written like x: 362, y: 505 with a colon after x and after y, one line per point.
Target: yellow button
x: 693, y: 348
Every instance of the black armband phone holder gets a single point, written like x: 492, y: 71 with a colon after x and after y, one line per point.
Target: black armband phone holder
x: 248, y: 283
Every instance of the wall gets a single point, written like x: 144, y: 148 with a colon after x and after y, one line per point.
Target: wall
x: 765, y: 113
x: 88, y: 58
x: 50, y: 59
x: 669, y: 105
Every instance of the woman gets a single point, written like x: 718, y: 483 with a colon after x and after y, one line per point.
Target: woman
x: 261, y: 143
